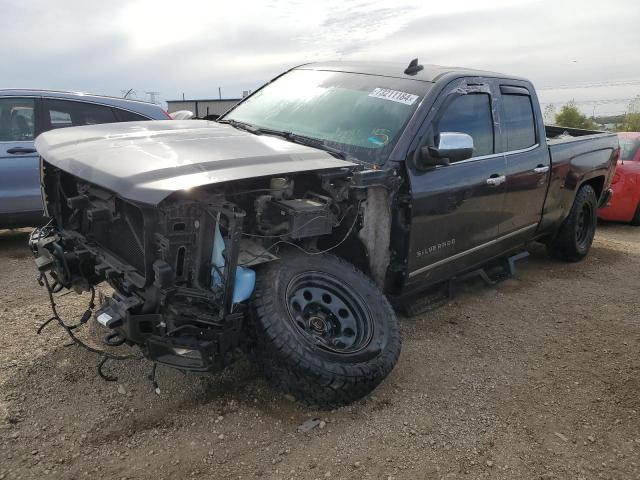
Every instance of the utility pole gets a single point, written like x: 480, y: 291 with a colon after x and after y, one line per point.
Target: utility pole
x: 220, y: 93
x: 153, y: 96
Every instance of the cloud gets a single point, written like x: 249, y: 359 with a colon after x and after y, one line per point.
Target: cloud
x: 194, y: 46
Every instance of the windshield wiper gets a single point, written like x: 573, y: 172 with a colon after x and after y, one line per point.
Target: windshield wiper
x: 247, y: 127
x: 292, y: 137
x: 304, y: 140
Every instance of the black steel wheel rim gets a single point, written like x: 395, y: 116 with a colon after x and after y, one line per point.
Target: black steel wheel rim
x: 328, y: 313
x: 584, y: 225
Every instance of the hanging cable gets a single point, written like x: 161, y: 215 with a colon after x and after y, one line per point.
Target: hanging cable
x: 69, y: 329
x: 152, y: 378
x: 104, y: 376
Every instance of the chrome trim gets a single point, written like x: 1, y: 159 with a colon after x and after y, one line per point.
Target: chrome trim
x: 473, y: 159
x: 544, y: 169
x: 454, y: 140
x: 471, y: 250
x: 493, y: 155
x: 495, y: 181
x: 522, y: 150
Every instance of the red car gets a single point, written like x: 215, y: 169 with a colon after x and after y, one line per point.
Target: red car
x: 624, y: 205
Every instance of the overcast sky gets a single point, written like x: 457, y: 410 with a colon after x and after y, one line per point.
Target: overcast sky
x: 195, y: 46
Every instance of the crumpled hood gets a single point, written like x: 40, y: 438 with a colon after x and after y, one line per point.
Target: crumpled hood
x: 147, y: 161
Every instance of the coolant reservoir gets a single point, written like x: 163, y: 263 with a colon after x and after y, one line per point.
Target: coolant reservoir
x: 245, y: 280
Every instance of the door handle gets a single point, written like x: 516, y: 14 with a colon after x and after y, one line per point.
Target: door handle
x: 541, y: 169
x: 495, y: 180
x: 20, y: 150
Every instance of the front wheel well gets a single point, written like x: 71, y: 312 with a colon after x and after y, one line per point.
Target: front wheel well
x: 351, y: 250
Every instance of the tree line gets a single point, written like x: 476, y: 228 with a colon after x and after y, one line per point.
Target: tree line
x: 570, y: 116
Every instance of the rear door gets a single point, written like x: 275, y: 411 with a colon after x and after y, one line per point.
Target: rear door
x: 457, y: 209
x: 19, y: 164
x: 527, y: 161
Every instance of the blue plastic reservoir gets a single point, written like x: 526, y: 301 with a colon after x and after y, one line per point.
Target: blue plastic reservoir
x: 245, y: 277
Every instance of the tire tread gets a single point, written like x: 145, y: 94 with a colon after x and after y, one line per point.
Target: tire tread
x: 563, y: 245
x: 311, y: 379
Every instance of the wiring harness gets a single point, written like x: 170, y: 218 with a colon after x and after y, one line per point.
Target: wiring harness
x: 113, y: 339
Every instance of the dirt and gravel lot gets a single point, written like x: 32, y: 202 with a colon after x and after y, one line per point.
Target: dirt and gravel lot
x: 536, y: 378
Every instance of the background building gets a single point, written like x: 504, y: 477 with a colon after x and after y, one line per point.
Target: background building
x: 211, y: 108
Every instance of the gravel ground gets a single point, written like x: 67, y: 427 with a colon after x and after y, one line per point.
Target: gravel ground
x: 535, y: 378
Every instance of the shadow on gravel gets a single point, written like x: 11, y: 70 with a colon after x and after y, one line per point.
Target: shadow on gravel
x: 14, y: 242
x: 64, y: 390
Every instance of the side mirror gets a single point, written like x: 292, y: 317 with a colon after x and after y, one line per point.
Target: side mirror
x: 450, y: 147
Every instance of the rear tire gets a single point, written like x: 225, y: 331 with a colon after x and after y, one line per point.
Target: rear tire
x: 575, y: 236
x: 326, y: 334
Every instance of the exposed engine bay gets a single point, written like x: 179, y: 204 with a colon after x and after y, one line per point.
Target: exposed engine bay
x: 182, y: 271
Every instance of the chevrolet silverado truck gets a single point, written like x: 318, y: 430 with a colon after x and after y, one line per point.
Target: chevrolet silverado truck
x: 286, y: 229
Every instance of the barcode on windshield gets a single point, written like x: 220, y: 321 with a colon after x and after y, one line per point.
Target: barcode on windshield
x: 394, y: 95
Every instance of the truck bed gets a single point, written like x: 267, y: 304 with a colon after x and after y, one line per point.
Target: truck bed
x: 576, y: 155
x: 558, y: 134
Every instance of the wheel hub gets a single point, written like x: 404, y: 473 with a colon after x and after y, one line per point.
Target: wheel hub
x: 328, y: 313
x: 318, y: 324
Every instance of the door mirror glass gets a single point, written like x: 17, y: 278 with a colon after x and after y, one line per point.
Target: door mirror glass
x: 450, y: 147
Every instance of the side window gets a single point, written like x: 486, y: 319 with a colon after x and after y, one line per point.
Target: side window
x: 470, y: 114
x: 68, y: 113
x: 519, y: 121
x: 17, y: 120
x: 59, y: 119
x: 126, y: 116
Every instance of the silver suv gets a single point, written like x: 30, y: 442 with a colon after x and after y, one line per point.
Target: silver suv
x: 24, y: 114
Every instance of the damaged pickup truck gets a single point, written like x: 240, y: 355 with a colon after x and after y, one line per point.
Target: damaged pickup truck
x: 285, y: 229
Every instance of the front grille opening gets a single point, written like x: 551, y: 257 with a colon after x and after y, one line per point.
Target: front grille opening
x: 124, y: 236
x: 180, y: 261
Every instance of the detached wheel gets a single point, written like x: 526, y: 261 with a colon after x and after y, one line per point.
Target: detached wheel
x: 575, y: 236
x: 325, y: 333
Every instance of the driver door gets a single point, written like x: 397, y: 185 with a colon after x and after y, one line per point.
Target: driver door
x: 457, y: 208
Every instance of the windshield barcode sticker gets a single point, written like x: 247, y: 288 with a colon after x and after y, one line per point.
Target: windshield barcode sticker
x: 394, y: 95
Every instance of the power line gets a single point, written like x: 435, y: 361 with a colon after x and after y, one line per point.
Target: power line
x: 600, y: 101
x: 613, y: 83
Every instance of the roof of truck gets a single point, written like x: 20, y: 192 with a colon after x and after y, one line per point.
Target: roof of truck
x: 430, y: 73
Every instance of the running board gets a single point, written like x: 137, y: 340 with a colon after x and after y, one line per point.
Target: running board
x: 490, y: 275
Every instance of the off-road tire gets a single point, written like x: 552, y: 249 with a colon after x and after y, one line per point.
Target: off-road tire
x: 635, y: 221
x: 575, y: 236
x: 292, y: 354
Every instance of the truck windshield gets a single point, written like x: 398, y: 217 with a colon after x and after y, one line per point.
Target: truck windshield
x: 360, y: 115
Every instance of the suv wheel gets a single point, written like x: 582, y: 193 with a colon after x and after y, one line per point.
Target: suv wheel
x: 325, y: 333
